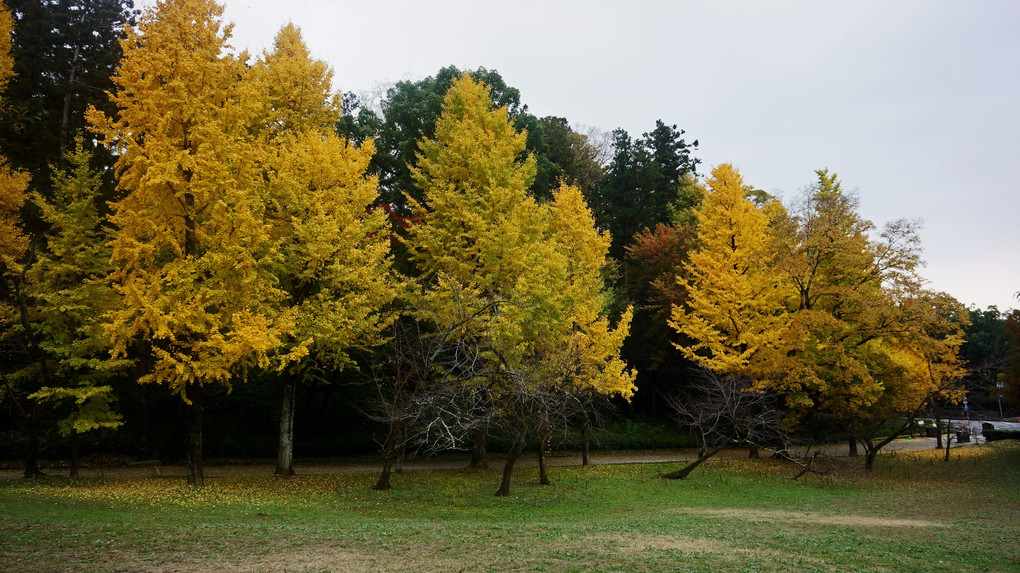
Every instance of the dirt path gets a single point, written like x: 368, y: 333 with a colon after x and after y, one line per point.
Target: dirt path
x: 215, y: 468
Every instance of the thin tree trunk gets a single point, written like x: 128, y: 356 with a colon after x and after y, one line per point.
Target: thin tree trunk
x: 938, y: 433
x: 479, y: 456
x: 68, y: 94
x: 686, y: 470
x: 852, y: 442
x: 74, y: 453
x: 508, y: 468
x: 393, y: 451
x: 585, y: 435
x: 285, y: 454
x: 194, y: 423
x: 32, y: 454
x: 949, y: 436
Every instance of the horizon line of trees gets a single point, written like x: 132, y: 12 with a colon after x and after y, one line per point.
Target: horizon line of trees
x: 220, y: 218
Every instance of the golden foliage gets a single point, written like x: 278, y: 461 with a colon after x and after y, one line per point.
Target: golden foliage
x: 735, y: 313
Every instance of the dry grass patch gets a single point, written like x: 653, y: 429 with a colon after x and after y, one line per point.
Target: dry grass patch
x: 808, y: 518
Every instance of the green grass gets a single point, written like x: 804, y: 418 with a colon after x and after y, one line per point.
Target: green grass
x: 916, y: 513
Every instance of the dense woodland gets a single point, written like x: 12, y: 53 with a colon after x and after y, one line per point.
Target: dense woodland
x: 211, y: 251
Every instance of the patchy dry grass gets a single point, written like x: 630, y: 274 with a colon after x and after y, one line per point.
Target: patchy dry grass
x: 915, y: 513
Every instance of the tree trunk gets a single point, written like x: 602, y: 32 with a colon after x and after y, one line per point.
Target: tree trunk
x: 949, y: 436
x: 393, y: 451
x: 479, y: 456
x: 938, y: 433
x: 752, y: 451
x: 544, y: 438
x: 686, y: 471
x: 585, y: 434
x: 285, y: 454
x: 194, y: 423
x: 869, y: 459
x: 852, y: 442
x: 384, y: 478
x: 74, y: 453
x: 871, y: 450
x: 32, y: 453
x: 508, y: 468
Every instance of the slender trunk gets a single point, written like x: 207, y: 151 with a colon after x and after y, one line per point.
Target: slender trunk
x: 285, y: 454
x: 33, y: 419
x: 949, y: 436
x: 74, y: 453
x: 393, y: 450
x: 68, y: 94
x: 852, y: 442
x: 508, y: 468
x: 938, y: 433
x: 585, y: 434
x: 543, y: 442
x: 479, y: 456
x: 194, y: 423
x: 32, y: 454
x: 686, y: 470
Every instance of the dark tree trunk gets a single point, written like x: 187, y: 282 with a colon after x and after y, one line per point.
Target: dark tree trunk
x: 508, y: 468
x: 32, y: 453
x: 869, y: 459
x: 74, y: 453
x: 585, y: 435
x: 543, y: 442
x: 479, y: 456
x: 393, y: 451
x: 194, y: 423
x: 752, y: 452
x: 852, y: 442
x: 871, y: 450
x: 384, y: 478
x: 686, y: 471
x: 285, y: 454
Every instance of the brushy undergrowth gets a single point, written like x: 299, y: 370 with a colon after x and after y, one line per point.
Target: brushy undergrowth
x: 915, y: 513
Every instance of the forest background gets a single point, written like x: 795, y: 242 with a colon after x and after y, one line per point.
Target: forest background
x: 337, y: 185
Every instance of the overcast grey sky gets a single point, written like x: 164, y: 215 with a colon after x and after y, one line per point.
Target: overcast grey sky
x: 915, y: 104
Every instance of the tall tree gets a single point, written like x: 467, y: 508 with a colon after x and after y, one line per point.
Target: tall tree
x: 68, y: 293
x: 410, y: 112
x: 641, y: 181
x: 193, y: 251
x: 334, y: 261
x: 734, y: 315
x: 520, y: 282
x: 14, y: 244
x: 65, y: 53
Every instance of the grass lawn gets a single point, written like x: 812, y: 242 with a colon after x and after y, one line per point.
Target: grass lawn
x: 915, y: 513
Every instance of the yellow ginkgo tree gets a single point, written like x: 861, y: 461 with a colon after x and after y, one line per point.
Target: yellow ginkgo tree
x: 514, y: 285
x: 333, y: 247
x: 735, y: 315
x: 193, y: 249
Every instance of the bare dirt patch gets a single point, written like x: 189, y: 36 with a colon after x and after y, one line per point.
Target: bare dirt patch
x: 810, y: 518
